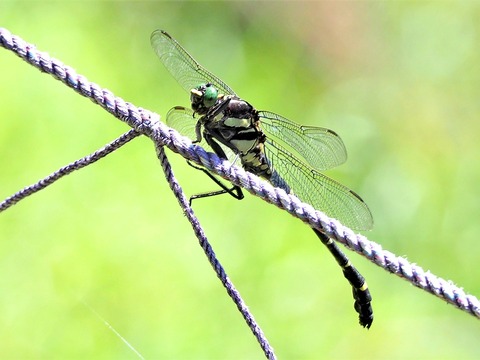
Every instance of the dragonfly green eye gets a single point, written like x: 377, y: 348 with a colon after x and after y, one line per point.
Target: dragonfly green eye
x: 210, y: 96
x: 203, y: 97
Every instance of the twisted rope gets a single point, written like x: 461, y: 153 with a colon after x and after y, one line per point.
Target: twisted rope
x: 146, y: 123
x: 207, y: 248
x: 68, y: 169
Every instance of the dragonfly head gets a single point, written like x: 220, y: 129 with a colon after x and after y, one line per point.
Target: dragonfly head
x: 203, y: 97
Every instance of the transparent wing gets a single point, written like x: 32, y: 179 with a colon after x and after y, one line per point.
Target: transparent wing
x: 182, y: 66
x: 184, y: 121
x: 321, y: 148
x: 318, y: 190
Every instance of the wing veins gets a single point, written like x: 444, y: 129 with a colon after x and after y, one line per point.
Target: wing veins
x: 183, y: 67
x: 320, y: 191
x: 320, y: 147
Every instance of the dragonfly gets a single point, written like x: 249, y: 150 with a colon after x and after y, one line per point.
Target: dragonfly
x: 288, y: 155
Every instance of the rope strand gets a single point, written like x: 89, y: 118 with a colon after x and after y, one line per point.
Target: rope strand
x: 68, y: 169
x: 207, y: 248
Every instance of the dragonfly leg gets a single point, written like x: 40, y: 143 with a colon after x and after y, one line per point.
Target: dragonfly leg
x: 235, y: 191
x: 361, y: 294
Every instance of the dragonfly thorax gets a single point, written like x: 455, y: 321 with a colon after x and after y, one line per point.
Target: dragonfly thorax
x: 235, y: 124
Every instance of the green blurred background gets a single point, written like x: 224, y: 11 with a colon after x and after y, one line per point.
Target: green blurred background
x: 398, y: 81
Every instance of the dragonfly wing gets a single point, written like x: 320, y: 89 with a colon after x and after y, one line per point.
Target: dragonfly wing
x: 321, y: 148
x: 188, y: 72
x: 316, y: 189
x: 184, y: 121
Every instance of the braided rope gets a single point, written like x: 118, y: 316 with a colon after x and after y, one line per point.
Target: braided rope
x: 147, y: 123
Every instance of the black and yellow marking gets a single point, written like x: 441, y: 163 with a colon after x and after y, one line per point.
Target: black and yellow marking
x: 360, y: 291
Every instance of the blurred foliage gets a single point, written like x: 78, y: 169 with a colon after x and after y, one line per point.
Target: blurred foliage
x: 397, y: 80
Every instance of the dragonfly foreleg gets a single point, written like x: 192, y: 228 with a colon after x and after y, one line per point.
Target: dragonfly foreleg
x: 361, y: 294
